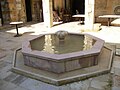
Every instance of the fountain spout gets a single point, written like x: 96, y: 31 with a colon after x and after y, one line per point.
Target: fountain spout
x: 61, y: 35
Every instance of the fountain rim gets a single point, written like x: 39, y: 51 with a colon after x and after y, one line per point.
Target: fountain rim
x: 95, y: 50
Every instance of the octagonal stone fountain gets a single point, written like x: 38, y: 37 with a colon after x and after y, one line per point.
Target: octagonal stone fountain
x: 62, y: 57
x: 60, y: 53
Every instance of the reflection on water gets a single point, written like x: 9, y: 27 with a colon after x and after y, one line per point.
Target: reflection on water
x: 88, y: 42
x: 72, y: 43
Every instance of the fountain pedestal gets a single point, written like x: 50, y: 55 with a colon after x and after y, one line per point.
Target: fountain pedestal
x: 62, y: 63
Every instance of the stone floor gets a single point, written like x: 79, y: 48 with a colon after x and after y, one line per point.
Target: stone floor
x: 13, y: 81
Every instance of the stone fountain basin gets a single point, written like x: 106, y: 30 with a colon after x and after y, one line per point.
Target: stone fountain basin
x: 61, y: 63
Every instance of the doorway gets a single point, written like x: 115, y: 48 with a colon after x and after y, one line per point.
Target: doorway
x: 28, y: 10
x: 78, y: 5
x: 41, y: 11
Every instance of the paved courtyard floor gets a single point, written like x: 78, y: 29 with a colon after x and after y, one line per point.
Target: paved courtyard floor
x: 13, y: 81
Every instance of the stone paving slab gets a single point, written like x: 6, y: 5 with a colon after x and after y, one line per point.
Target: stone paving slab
x: 11, y: 77
x: 18, y: 80
x: 2, y: 53
x: 115, y: 88
x: 20, y: 88
x: 36, y: 85
x: 98, y: 85
x: 5, y: 72
x: 6, y: 85
x: 116, y: 65
x: 116, y: 81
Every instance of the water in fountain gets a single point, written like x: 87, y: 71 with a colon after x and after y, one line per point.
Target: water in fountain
x: 59, y: 43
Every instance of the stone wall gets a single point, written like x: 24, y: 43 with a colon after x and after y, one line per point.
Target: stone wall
x: 5, y: 11
x: 21, y: 10
x: 14, y: 10
x: 37, y: 10
x: 17, y: 10
x: 103, y: 7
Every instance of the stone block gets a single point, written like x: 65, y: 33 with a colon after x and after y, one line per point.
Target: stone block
x: 73, y: 64
x: 81, y: 63
x: 44, y: 64
x: 97, y: 27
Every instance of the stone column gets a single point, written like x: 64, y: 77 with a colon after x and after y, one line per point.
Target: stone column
x: 18, y: 9
x: 47, y: 13
x: 0, y: 22
x: 89, y: 15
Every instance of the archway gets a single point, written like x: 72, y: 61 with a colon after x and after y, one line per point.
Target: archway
x: 78, y: 5
x: 28, y: 10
